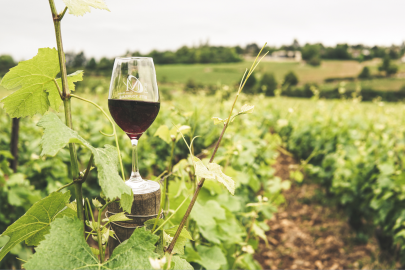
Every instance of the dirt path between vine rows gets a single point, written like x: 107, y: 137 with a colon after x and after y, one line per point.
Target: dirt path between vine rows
x: 306, y: 234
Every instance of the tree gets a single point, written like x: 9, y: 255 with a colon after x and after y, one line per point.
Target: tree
x: 365, y: 73
x: 250, y: 85
x: 268, y: 84
x: 312, y: 54
x: 310, y: 51
x: 339, y: 52
x: 252, y: 49
x: 6, y: 62
x: 290, y: 79
x: 91, y: 65
x: 388, y: 67
x: 79, y: 60
x: 105, y: 64
x: 315, y: 61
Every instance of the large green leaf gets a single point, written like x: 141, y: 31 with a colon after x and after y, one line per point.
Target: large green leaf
x: 35, y: 77
x: 180, y: 264
x: 204, y: 214
x: 135, y: 252
x: 211, y: 257
x: 80, y: 7
x: 66, y: 248
x: 57, y: 135
x: 208, y: 257
x: 34, y: 224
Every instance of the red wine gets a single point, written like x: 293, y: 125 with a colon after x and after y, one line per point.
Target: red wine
x: 134, y: 117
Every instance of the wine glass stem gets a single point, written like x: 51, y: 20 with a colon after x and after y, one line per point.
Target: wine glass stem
x: 135, y: 176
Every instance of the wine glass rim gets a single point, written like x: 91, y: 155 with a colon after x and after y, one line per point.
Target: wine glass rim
x: 133, y: 58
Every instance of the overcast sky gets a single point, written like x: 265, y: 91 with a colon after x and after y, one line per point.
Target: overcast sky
x: 143, y: 25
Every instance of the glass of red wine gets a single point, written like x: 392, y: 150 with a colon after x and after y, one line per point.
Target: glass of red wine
x: 134, y: 103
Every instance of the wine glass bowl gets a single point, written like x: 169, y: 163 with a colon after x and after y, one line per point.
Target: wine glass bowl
x: 134, y: 104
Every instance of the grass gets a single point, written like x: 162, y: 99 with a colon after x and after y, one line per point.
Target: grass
x: 230, y: 73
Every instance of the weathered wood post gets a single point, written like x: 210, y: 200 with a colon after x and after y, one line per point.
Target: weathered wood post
x: 147, y: 195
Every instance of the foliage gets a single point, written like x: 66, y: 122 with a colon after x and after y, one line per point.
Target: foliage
x: 290, y: 79
x: 339, y: 52
x: 355, y: 152
x: 268, y: 84
x: 34, y: 224
x: 60, y: 242
x: 80, y: 7
x: 365, y: 73
x: 57, y: 135
x: 311, y: 51
x: 250, y: 86
x: 6, y: 62
x: 38, y: 91
x: 65, y: 248
x: 388, y: 67
x: 314, y: 61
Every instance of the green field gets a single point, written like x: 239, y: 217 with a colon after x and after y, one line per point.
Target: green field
x: 230, y: 73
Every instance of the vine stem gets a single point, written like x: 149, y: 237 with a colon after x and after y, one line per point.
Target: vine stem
x: 99, y: 237
x: 65, y: 186
x: 114, y: 131
x: 67, y: 106
x: 201, y: 183
x: 166, y: 186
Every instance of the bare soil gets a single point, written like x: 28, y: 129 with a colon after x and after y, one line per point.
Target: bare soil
x: 307, y: 234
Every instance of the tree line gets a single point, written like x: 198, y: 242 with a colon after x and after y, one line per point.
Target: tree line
x: 313, y: 54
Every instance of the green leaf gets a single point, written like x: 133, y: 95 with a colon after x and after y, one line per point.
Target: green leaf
x: 184, y: 233
x: 35, y: 77
x: 181, y: 264
x: 213, y: 171
x: 118, y: 217
x: 34, y: 224
x: 151, y: 222
x: 65, y: 248
x: 80, y: 7
x: 218, y: 120
x: 96, y: 203
x: 246, y: 109
x: 386, y: 168
x: 297, y: 176
x: 181, y: 241
x: 32, y: 76
x: 167, y: 135
x: 163, y: 132
x: 95, y: 251
x: 259, y: 232
x: 204, y: 215
x: 126, y: 201
x: 57, y: 135
x: 72, y: 205
x: 135, y: 252
x: 53, y: 97
x: 211, y: 257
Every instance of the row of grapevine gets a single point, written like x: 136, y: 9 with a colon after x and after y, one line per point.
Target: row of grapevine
x: 355, y: 150
x: 225, y: 229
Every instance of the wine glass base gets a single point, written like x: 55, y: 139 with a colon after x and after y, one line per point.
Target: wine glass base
x: 143, y: 186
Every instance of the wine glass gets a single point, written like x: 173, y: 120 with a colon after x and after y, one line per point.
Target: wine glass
x: 134, y: 103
